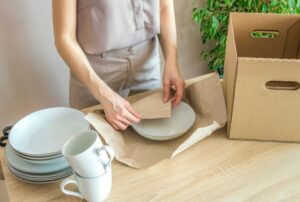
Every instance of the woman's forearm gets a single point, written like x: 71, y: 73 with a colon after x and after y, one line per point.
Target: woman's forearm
x: 168, y: 40
x: 64, y: 26
x: 168, y: 36
x: 79, y: 65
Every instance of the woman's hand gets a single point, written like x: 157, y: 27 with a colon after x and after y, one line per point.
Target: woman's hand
x: 173, y: 79
x: 118, y: 111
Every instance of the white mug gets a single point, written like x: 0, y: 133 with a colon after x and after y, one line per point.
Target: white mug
x: 86, y: 154
x: 94, y: 189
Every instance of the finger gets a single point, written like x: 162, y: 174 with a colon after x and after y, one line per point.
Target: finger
x: 124, y: 120
x: 177, y: 99
x: 114, y: 126
x: 173, y: 102
x: 110, y: 121
x: 120, y: 125
x: 179, y: 93
x: 131, y: 118
x: 166, y: 90
x: 136, y: 115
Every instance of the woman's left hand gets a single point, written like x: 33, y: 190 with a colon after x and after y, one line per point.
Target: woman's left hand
x: 173, y: 79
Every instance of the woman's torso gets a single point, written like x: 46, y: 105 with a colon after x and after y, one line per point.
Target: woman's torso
x: 104, y: 25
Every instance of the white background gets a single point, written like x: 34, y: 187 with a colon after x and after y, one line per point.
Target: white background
x: 33, y: 76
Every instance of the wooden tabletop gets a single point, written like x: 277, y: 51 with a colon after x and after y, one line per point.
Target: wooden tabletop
x: 215, y: 169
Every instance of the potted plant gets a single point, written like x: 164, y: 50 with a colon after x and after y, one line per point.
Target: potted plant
x: 213, y: 22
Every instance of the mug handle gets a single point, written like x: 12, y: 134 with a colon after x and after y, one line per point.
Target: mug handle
x: 4, y: 138
x: 67, y: 181
x: 109, y: 151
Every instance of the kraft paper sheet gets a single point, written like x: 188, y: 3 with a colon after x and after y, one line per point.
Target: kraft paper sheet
x: 152, y: 106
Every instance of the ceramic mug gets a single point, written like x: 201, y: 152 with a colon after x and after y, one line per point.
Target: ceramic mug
x: 86, y: 154
x: 94, y: 189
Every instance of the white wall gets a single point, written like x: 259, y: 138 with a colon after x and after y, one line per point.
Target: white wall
x: 32, y: 75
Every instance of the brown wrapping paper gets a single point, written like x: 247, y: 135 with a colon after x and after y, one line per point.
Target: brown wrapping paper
x: 205, y: 96
x: 152, y: 106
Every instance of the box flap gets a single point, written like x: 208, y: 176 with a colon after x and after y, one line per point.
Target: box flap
x: 281, y: 46
x: 230, y: 70
x: 292, y: 44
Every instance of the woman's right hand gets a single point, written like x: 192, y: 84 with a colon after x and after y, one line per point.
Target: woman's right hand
x: 118, y: 111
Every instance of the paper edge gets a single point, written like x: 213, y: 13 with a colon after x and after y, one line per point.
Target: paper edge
x: 197, y: 136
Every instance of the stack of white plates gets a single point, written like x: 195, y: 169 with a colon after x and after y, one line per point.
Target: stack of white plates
x: 34, y: 150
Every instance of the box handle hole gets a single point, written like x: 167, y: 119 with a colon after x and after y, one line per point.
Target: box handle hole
x: 264, y: 34
x: 282, y: 85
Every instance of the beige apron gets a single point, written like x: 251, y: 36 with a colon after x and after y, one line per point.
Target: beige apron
x: 128, y: 70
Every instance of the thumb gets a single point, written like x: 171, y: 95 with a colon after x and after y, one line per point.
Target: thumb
x: 166, y: 90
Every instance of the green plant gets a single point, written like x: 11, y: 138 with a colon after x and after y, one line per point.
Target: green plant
x: 213, y: 22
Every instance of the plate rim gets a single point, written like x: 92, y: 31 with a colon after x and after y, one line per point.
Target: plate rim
x: 26, y: 153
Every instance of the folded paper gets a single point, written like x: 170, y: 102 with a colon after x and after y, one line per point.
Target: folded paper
x: 153, y: 106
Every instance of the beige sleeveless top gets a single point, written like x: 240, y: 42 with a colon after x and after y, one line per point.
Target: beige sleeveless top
x: 104, y: 25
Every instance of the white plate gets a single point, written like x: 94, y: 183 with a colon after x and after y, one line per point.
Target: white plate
x: 26, y: 166
x: 50, y: 158
x: 37, y: 158
x: 57, y: 175
x: 41, y: 175
x: 50, y: 161
x: 40, y: 179
x: 59, y: 158
x: 181, y: 120
x: 44, y: 132
x: 37, y: 181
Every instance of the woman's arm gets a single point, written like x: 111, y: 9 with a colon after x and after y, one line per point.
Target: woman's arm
x: 168, y: 41
x: 117, y: 110
x: 64, y: 21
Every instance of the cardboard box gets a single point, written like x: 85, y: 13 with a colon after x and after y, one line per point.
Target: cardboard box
x: 262, y: 77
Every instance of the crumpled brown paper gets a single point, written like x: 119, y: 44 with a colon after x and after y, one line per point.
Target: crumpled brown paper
x: 205, y: 96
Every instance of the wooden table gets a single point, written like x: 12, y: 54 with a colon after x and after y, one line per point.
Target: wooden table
x: 215, y: 169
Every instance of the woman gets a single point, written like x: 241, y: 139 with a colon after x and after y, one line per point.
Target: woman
x: 111, y: 49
